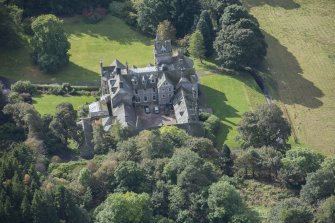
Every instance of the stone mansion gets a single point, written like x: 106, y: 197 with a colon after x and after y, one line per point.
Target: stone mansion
x: 170, y: 83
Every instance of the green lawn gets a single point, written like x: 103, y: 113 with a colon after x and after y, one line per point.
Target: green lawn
x: 46, y: 104
x: 230, y: 96
x: 300, y: 64
x: 90, y: 43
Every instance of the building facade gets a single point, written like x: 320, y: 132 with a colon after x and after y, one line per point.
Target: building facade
x: 171, y: 81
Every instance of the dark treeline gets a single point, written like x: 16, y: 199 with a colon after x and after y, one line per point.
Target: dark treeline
x: 58, y: 7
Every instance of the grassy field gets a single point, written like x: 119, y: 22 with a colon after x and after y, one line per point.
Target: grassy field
x: 90, y: 43
x: 46, y: 104
x: 300, y: 64
x: 229, y: 95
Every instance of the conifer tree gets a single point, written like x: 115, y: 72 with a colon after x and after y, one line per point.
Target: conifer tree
x: 197, y: 47
x: 206, y: 28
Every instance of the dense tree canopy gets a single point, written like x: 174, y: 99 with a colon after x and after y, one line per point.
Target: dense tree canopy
x: 291, y: 210
x: 64, y: 124
x: 124, y: 208
x: 266, y: 126
x: 319, y: 185
x: 205, y: 27
x: 181, y: 13
x: 50, y: 44
x: 166, y: 31
x: 240, y: 42
x: 297, y: 164
x: 10, y: 25
x: 197, y: 46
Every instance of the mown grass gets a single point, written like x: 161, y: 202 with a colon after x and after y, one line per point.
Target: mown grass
x: 229, y: 95
x: 300, y: 64
x: 90, y: 43
x: 46, y: 104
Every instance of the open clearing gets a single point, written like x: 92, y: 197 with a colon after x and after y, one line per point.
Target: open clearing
x: 300, y: 66
x: 46, y: 104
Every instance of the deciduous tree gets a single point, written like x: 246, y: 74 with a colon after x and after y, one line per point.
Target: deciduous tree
x: 266, y: 126
x: 50, y: 44
x: 166, y: 31
x: 125, y: 207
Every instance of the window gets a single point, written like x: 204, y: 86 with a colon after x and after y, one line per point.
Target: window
x: 153, y: 80
x: 121, y: 84
x: 154, y: 89
x: 143, y: 81
x: 136, y: 92
x: 170, y: 95
x: 135, y: 82
x: 181, y: 113
x: 138, y: 99
x: 145, y: 98
x: 163, y: 96
x: 169, y: 89
x: 154, y: 98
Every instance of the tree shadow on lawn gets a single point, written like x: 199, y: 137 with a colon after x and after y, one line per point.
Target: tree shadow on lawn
x: 73, y: 74
x: 111, y: 28
x: 217, y: 101
x: 283, y: 74
x: 286, y: 4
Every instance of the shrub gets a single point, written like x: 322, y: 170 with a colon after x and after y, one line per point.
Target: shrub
x: 291, y: 210
x: 23, y: 87
x: 93, y: 16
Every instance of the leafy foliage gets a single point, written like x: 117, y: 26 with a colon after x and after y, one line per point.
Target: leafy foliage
x: 205, y: 26
x: 240, y: 42
x: 166, y: 31
x: 297, y: 164
x: 266, y: 126
x: 181, y: 13
x: 10, y: 26
x: 23, y: 87
x: 197, y: 45
x: 50, y: 44
x: 291, y: 210
x: 127, y: 207
x: 326, y: 211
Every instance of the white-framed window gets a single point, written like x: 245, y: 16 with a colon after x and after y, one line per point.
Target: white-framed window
x: 145, y: 99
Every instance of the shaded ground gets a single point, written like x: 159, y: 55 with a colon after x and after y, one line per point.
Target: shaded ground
x: 230, y: 96
x: 90, y: 43
x: 300, y: 64
x: 152, y: 120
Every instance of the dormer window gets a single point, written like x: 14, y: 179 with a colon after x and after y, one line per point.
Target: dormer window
x: 153, y: 81
x: 135, y: 82
x: 163, y: 49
